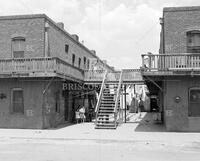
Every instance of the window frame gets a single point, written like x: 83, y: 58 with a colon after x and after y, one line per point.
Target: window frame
x: 73, y: 59
x: 57, y: 101
x: 66, y: 48
x: 17, y: 38
x: 88, y: 63
x: 79, y: 62
x: 12, y: 105
x: 190, y: 43
x: 84, y: 62
x: 189, y: 101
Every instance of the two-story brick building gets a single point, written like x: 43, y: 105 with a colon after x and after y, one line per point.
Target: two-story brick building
x: 173, y: 75
x: 36, y: 56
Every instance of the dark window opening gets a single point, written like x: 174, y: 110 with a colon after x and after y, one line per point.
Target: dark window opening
x: 194, y: 102
x: 88, y: 64
x: 57, y: 102
x: 17, y: 101
x: 73, y: 59
x: 18, y: 47
x: 193, y: 41
x: 66, y: 48
x: 84, y: 62
x: 79, y: 62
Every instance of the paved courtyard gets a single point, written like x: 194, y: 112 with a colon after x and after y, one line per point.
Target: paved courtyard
x: 140, y: 138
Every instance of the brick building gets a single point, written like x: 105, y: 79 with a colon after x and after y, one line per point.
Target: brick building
x: 173, y: 75
x: 36, y: 57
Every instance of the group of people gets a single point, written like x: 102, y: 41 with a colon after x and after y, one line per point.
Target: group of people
x: 137, y: 106
x: 82, y: 115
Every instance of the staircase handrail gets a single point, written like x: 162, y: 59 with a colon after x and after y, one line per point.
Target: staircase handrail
x: 100, y: 94
x: 118, y: 92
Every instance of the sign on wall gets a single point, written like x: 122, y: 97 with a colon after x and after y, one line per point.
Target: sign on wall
x: 169, y: 113
x: 29, y: 113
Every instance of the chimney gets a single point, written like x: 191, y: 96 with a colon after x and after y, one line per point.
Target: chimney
x: 60, y: 24
x: 113, y: 68
x: 105, y: 61
x: 93, y: 51
x: 75, y: 37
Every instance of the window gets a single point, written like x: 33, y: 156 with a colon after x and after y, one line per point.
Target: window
x: 66, y: 48
x: 84, y: 61
x: 193, y: 41
x: 17, y: 101
x: 79, y: 62
x: 194, y: 102
x: 18, y: 47
x: 73, y: 59
x: 88, y: 64
x: 57, y: 101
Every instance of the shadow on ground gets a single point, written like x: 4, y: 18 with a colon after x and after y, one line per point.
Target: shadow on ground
x: 146, y: 123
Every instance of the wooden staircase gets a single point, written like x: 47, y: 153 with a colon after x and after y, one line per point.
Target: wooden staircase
x: 108, y: 105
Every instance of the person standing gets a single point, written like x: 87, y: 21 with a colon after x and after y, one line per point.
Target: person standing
x: 140, y: 107
x: 82, y: 113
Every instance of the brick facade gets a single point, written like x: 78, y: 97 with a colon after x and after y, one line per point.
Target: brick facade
x: 40, y: 95
x: 177, y: 21
x: 31, y: 28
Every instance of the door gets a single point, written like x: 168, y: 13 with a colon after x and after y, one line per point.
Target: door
x: 194, y: 102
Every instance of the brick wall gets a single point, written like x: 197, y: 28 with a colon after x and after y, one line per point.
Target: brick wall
x: 57, y: 41
x: 31, y: 28
x: 176, y: 113
x: 177, y: 21
x: 32, y: 93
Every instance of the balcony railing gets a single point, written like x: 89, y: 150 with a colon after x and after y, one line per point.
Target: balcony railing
x: 44, y: 66
x: 170, y: 62
x: 53, y: 66
x: 129, y: 75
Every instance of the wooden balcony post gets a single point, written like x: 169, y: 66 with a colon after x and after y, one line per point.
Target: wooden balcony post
x: 143, y: 61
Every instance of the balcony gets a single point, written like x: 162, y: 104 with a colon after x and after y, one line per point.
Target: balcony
x: 128, y: 76
x: 55, y: 67
x: 39, y: 67
x: 171, y: 64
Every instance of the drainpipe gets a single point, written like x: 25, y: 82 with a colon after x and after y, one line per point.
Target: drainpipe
x: 162, y: 110
x: 43, y: 101
x: 162, y: 35
x: 46, y: 53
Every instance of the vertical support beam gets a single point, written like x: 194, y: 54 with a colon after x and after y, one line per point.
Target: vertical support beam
x: 135, y: 98
x: 125, y: 101
x: 134, y: 89
x: 143, y: 61
x: 121, y: 106
x: 46, y: 53
x: 86, y: 104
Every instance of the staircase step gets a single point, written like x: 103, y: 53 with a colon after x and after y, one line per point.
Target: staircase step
x: 104, y: 101
x: 106, y: 108
x: 107, y: 99
x: 108, y: 96
x: 107, y: 105
x: 106, y: 121
x: 104, y: 127
x: 106, y: 111
x: 107, y: 102
x: 105, y: 114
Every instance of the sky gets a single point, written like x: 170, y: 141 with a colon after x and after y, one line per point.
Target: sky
x: 119, y: 30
